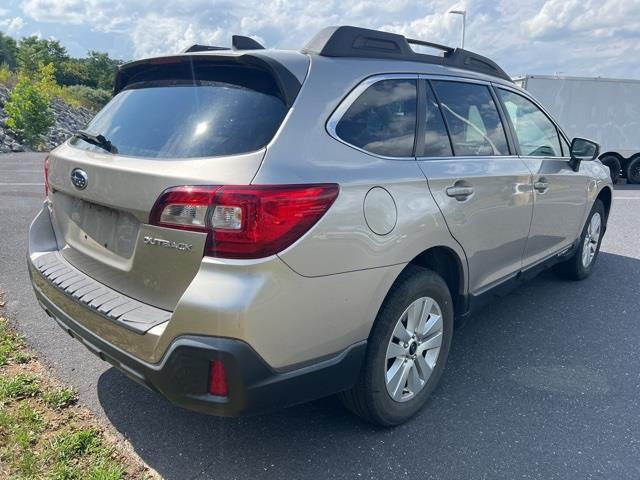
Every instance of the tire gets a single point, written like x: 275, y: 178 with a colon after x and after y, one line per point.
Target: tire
x: 614, y: 165
x: 633, y: 170
x: 370, y: 397
x: 577, y: 267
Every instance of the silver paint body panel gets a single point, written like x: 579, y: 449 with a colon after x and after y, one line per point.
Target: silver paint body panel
x: 322, y: 293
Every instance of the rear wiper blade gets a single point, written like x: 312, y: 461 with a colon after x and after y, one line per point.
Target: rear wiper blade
x: 97, y: 140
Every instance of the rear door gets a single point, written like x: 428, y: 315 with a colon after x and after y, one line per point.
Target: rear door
x: 482, y: 189
x: 560, y: 193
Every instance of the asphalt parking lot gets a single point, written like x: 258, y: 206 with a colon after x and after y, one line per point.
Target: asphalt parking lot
x: 543, y: 383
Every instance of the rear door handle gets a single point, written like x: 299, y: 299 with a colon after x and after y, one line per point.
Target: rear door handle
x: 459, y: 193
x: 541, y: 186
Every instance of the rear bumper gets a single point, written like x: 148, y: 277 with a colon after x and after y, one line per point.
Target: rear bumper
x: 182, y: 375
x: 255, y: 317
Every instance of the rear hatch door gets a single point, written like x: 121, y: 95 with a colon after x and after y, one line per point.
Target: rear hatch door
x: 195, y: 120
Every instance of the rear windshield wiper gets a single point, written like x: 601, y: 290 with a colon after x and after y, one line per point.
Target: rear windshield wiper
x: 97, y: 140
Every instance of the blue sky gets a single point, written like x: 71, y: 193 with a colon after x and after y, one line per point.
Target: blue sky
x: 571, y: 37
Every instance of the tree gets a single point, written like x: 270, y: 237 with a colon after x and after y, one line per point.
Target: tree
x: 8, y: 50
x: 28, y: 107
x: 33, y: 52
x: 101, y: 69
x: 46, y: 81
x: 73, y: 72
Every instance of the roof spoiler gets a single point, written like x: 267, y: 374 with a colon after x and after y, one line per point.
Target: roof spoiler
x: 287, y: 83
x: 238, y: 42
x: 359, y: 42
x: 202, y: 48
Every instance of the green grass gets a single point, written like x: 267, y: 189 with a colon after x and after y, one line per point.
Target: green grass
x: 22, y: 385
x: 106, y: 470
x: 60, y: 398
x: 43, y: 434
x: 12, y: 347
x: 70, y: 445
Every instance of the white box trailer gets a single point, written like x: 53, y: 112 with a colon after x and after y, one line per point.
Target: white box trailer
x: 606, y: 110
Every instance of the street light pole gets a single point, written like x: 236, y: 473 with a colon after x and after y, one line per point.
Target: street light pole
x: 464, y: 21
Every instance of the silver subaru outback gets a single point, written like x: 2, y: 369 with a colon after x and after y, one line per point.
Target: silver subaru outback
x: 245, y: 229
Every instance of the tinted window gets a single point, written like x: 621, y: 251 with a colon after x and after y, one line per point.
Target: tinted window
x: 536, y: 134
x: 436, y: 138
x: 215, y: 114
x: 383, y: 119
x: 473, y: 119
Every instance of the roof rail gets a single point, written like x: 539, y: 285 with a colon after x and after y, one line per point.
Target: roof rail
x: 347, y: 41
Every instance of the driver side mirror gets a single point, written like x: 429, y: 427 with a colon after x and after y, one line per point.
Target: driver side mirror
x: 583, y: 150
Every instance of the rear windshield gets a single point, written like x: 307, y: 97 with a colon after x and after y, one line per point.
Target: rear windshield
x: 211, y: 110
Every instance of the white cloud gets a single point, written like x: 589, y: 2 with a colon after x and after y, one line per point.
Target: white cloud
x: 558, y: 18
x: 536, y: 36
x: 436, y: 28
x: 12, y: 26
x: 15, y: 25
x: 156, y: 34
x: 100, y: 15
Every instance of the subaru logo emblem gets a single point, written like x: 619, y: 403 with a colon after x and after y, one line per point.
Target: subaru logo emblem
x: 79, y: 178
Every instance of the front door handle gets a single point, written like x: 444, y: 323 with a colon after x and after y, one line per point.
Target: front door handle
x: 459, y: 193
x: 541, y: 186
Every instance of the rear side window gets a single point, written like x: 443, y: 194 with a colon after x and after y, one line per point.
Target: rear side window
x: 537, y: 135
x: 219, y: 110
x: 473, y: 119
x: 383, y: 119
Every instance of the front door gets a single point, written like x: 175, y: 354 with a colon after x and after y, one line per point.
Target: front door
x: 560, y: 193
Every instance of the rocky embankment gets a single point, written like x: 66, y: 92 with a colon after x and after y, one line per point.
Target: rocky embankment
x: 67, y: 120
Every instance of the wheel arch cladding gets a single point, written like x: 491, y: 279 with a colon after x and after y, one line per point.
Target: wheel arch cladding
x: 605, y: 196
x: 446, y: 263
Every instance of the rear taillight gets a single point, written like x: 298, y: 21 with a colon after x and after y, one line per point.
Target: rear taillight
x: 244, y: 221
x: 46, y: 176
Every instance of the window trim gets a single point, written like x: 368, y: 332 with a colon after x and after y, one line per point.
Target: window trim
x: 355, y: 93
x: 559, y: 131
x: 425, y: 88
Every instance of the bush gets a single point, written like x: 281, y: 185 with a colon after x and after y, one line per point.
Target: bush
x: 74, y: 95
x: 28, y: 109
x: 8, y: 78
x: 92, y: 98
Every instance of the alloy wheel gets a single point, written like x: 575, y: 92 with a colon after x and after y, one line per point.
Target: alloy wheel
x: 591, y: 240
x: 413, y: 349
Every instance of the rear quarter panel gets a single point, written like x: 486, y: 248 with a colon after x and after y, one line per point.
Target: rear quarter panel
x: 305, y: 153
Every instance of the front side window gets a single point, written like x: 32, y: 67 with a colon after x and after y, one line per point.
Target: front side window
x: 474, y: 123
x: 382, y: 120
x: 536, y: 134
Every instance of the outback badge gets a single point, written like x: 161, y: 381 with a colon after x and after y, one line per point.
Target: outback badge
x: 182, y: 246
